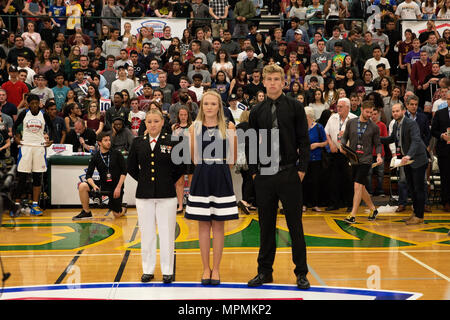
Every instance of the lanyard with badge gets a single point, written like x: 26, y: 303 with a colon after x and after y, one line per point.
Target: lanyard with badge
x: 398, y: 148
x: 108, y: 174
x: 361, y: 130
x: 339, y: 135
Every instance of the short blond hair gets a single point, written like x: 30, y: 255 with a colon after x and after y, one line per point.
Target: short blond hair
x: 154, y: 111
x: 309, y: 111
x: 272, y: 68
x: 244, y: 116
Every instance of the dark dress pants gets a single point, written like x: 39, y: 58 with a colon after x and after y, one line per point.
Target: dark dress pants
x: 311, y: 184
x: 248, y: 188
x: 414, y: 179
x: 286, y: 187
x: 444, y: 171
x: 341, y: 185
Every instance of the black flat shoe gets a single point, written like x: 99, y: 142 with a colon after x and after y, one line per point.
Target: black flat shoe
x: 260, y: 279
x: 243, y: 207
x: 206, y: 282
x: 147, y: 277
x: 215, y: 282
x: 302, y: 282
x: 167, y: 278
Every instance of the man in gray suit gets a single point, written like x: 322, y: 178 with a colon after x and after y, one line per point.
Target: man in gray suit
x: 409, y: 146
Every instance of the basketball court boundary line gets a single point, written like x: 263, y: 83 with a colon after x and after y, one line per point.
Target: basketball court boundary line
x: 426, y: 266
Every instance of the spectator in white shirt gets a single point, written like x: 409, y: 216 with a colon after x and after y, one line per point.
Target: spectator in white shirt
x: 122, y: 83
x: 372, y: 63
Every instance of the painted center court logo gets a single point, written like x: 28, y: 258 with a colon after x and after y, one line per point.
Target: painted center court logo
x: 195, y: 291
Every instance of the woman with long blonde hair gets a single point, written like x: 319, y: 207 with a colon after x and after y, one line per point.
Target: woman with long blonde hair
x: 211, y: 198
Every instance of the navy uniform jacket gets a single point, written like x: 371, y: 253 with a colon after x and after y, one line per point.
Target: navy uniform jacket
x: 154, y: 170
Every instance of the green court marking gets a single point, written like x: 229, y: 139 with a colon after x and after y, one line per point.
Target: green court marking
x: 90, y: 233
x: 83, y: 234
x: 249, y: 238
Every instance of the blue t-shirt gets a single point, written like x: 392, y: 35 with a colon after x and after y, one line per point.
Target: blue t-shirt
x: 153, y: 79
x: 60, y: 96
x: 58, y: 11
x: 58, y: 127
x: 316, y: 134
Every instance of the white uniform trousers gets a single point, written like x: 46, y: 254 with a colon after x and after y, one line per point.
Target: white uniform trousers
x: 161, y: 213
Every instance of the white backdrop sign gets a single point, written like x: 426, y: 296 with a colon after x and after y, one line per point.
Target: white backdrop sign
x: 177, y: 25
x: 420, y: 26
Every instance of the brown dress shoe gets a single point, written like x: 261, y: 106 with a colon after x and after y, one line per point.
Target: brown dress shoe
x: 427, y: 209
x: 400, y: 208
x: 447, y: 207
x: 409, y: 218
x: 414, y: 220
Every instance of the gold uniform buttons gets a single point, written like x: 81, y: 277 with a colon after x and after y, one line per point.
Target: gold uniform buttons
x: 152, y: 155
x: 153, y: 178
x: 153, y: 170
x: 152, y: 163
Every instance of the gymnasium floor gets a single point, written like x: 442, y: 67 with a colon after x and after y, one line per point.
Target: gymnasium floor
x: 52, y: 257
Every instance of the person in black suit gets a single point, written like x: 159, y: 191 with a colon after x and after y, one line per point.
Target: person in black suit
x: 409, y: 146
x: 412, y: 104
x: 280, y: 179
x: 150, y: 164
x: 440, y: 129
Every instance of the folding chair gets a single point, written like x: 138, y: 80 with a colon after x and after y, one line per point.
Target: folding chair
x: 435, y: 183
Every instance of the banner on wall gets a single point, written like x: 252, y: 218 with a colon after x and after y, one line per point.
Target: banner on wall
x: 177, y: 25
x: 420, y: 26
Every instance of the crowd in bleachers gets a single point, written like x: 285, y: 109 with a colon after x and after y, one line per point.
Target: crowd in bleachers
x: 74, y: 56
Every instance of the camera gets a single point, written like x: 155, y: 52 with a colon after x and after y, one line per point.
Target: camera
x: 97, y: 197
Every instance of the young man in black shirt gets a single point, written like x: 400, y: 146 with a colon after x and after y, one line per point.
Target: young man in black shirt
x: 111, y: 166
x: 282, y: 178
x: 256, y: 84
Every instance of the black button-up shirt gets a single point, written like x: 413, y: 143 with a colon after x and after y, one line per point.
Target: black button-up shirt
x: 293, y: 142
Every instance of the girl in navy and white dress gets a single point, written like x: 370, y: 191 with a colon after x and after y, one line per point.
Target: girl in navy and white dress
x: 211, y: 199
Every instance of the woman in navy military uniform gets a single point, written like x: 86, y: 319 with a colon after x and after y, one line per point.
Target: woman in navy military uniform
x: 211, y: 201
x: 150, y: 164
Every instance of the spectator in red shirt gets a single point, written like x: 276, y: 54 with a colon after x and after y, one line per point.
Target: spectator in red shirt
x: 420, y: 70
x: 15, y: 89
x: 379, y: 170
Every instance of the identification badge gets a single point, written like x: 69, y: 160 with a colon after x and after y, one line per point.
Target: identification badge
x: 398, y: 152
x: 359, y: 148
x: 108, y: 177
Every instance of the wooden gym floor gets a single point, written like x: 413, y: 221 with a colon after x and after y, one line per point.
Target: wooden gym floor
x: 383, y: 255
